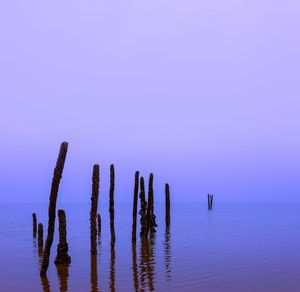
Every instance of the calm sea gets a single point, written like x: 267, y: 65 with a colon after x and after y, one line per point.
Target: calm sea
x: 235, y: 247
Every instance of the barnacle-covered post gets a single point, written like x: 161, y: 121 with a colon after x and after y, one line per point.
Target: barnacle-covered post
x: 135, y: 204
x: 143, y: 210
x: 34, y: 225
x: 94, y: 207
x: 111, y: 205
x: 62, y: 247
x: 151, y: 218
x: 40, y: 239
x: 167, y: 191
x: 52, y: 204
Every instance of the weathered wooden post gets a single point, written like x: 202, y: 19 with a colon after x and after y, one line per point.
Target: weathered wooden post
x: 99, y: 224
x: 135, y: 204
x: 62, y: 247
x: 52, y: 205
x: 111, y: 205
x: 211, y: 201
x: 40, y: 239
x: 167, y: 191
x: 34, y: 225
x: 94, y: 207
x: 151, y: 222
x: 143, y: 210
x: 40, y: 234
x: 208, y: 201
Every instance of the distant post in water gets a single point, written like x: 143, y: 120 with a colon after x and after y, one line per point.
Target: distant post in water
x: 99, y: 224
x: 94, y: 207
x: 210, y: 201
x: 111, y: 206
x: 62, y: 247
x: 167, y: 191
x: 34, y: 225
x: 135, y: 204
x: 52, y: 205
x: 143, y: 210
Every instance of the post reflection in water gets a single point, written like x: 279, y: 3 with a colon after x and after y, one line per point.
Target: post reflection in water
x: 45, y: 283
x: 147, y: 263
x: 167, y: 251
x: 135, y: 267
x: 112, y: 280
x: 94, y: 274
x: 63, y: 277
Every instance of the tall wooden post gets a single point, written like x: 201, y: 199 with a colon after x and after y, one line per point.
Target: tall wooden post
x: 111, y: 205
x: 94, y: 207
x: 151, y: 218
x: 52, y: 205
x: 143, y: 210
x: 167, y: 191
x: 135, y: 204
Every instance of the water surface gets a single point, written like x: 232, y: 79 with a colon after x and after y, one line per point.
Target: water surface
x: 235, y: 247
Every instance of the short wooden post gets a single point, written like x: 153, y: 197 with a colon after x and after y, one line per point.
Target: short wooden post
x: 34, y: 225
x: 62, y: 247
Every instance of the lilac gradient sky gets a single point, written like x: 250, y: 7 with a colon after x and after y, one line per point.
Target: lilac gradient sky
x: 205, y: 94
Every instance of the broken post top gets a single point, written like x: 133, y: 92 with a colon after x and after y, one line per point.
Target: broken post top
x: 167, y: 188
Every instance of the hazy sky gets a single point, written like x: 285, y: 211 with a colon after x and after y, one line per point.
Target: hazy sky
x: 204, y: 94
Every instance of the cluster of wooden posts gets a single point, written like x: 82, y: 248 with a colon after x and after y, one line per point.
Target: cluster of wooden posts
x: 147, y: 216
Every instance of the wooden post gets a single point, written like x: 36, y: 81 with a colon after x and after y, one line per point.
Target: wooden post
x: 167, y: 191
x: 151, y: 222
x: 99, y: 224
x: 111, y: 206
x: 208, y: 201
x: 143, y: 210
x: 94, y: 207
x: 40, y: 234
x: 52, y: 205
x: 40, y: 239
x: 62, y: 247
x: 135, y: 204
x: 34, y: 225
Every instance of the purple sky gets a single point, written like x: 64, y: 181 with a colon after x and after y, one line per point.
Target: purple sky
x: 204, y: 94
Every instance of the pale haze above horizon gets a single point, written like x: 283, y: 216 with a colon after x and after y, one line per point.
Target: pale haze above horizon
x: 204, y: 94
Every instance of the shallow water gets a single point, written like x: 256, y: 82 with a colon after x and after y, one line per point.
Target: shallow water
x: 235, y: 247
